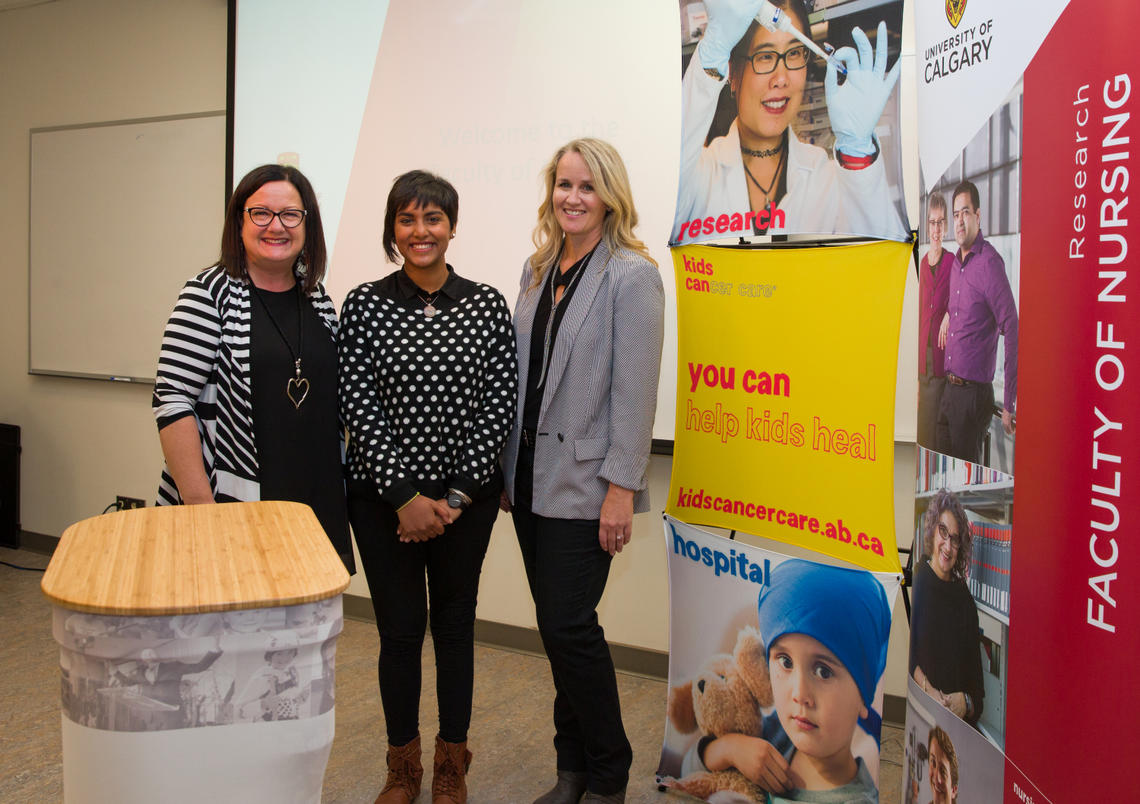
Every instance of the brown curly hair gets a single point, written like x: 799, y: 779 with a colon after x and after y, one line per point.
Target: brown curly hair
x: 946, y: 501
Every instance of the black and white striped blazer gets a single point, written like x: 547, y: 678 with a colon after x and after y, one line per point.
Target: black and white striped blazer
x: 203, y: 371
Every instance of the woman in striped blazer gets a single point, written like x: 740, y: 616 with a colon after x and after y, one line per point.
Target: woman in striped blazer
x: 246, y: 391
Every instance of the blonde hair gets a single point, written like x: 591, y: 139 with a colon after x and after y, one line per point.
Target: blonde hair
x: 611, y: 183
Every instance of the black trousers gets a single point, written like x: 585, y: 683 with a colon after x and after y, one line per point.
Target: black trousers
x: 567, y: 571
x: 396, y: 573
x: 964, y: 417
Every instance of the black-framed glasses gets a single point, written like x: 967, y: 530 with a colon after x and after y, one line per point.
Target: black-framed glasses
x: 766, y: 61
x: 954, y: 538
x: 290, y: 218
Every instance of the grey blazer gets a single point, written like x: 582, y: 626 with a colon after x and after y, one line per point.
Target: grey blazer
x: 595, y: 424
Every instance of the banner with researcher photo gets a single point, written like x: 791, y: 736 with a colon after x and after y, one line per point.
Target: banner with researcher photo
x: 1027, y: 134
x: 789, y: 120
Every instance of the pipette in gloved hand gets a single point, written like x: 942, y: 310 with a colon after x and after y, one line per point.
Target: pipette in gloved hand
x: 774, y: 19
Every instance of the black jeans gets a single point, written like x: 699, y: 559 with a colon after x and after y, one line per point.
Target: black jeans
x: 567, y: 571
x: 395, y: 573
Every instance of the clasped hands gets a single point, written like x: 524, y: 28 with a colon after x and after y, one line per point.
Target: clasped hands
x: 424, y: 518
x: 954, y: 701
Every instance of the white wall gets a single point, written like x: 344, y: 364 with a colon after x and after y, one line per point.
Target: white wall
x: 84, y: 441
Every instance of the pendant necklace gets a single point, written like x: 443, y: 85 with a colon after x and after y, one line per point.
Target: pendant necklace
x: 775, y: 177
x: 429, y: 310
x: 297, y: 387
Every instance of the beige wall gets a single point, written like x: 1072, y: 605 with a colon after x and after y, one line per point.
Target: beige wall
x: 74, y: 62
x: 84, y: 441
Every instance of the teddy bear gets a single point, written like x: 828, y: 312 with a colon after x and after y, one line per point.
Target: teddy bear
x: 725, y: 697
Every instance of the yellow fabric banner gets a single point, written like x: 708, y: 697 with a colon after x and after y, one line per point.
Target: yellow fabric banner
x: 786, y: 363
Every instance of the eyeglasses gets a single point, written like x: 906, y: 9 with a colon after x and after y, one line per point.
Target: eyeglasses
x: 766, y: 61
x: 954, y: 538
x: 290, y: 218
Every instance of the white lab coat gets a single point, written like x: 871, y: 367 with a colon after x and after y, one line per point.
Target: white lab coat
x: 822, y: 197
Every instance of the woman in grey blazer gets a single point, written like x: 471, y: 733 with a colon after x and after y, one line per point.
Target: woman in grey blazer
x: 588, y: 325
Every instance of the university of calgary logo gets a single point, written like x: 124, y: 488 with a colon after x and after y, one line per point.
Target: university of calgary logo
x: 954, y: 11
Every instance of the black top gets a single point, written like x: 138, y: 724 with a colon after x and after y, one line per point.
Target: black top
x: 298, y: 447
x: 944, y: 636
x: 399, y: 286
x: 428, y: 401
x: 542, y: 345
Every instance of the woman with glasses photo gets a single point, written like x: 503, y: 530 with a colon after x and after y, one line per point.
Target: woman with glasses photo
x: 246, y: 391
x: 945, y: 657
x: 760, y: 165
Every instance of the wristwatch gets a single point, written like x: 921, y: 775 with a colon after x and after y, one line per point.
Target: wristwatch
x: 457, y: 499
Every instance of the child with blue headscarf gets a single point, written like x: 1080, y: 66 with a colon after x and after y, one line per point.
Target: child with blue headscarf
x: 825, y: 632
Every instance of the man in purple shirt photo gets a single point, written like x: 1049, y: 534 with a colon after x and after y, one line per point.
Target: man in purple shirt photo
x: 933, y: 295
x: 981, y: 306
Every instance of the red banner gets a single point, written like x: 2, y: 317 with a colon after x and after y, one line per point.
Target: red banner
x: 1072, y: 701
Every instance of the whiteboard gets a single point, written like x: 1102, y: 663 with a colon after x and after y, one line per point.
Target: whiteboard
x: 121, y: 214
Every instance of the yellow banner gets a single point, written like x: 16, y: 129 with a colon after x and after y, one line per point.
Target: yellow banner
x: 785, y: 398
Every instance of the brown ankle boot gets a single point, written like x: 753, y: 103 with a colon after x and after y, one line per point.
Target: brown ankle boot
x: 449, y: 777
x: 405, y: 772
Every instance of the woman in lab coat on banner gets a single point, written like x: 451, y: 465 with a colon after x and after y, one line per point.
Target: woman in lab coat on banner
x: 760, y: 165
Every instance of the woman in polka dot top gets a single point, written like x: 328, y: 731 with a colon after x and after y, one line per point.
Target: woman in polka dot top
x: 427, y: 391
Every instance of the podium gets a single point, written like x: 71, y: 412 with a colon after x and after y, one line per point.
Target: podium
x: 197, y: 653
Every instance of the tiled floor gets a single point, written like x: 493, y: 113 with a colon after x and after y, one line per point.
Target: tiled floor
x: 510, y: 734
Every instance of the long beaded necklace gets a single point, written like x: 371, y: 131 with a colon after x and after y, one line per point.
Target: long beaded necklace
x: 554, y: 302
x: 297, y: 387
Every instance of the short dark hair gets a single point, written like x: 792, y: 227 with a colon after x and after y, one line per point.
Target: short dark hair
x: 967, y: 186
x: 947, y: 501
x: 796, y: 8
x: 313, y: 258
x: 417, y: 188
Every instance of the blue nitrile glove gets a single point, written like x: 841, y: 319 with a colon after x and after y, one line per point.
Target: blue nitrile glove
x: 856, y: 107
x: 728, y: 21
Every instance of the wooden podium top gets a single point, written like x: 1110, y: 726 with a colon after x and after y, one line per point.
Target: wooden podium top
x: 187, y: 559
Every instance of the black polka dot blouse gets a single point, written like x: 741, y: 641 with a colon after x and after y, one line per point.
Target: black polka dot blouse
x: 428, y: 395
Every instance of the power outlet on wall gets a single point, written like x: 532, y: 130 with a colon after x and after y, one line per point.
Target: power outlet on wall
x: 127, y: 503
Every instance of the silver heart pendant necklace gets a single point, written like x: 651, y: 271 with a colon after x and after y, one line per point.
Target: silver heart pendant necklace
x: 296, y: 387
